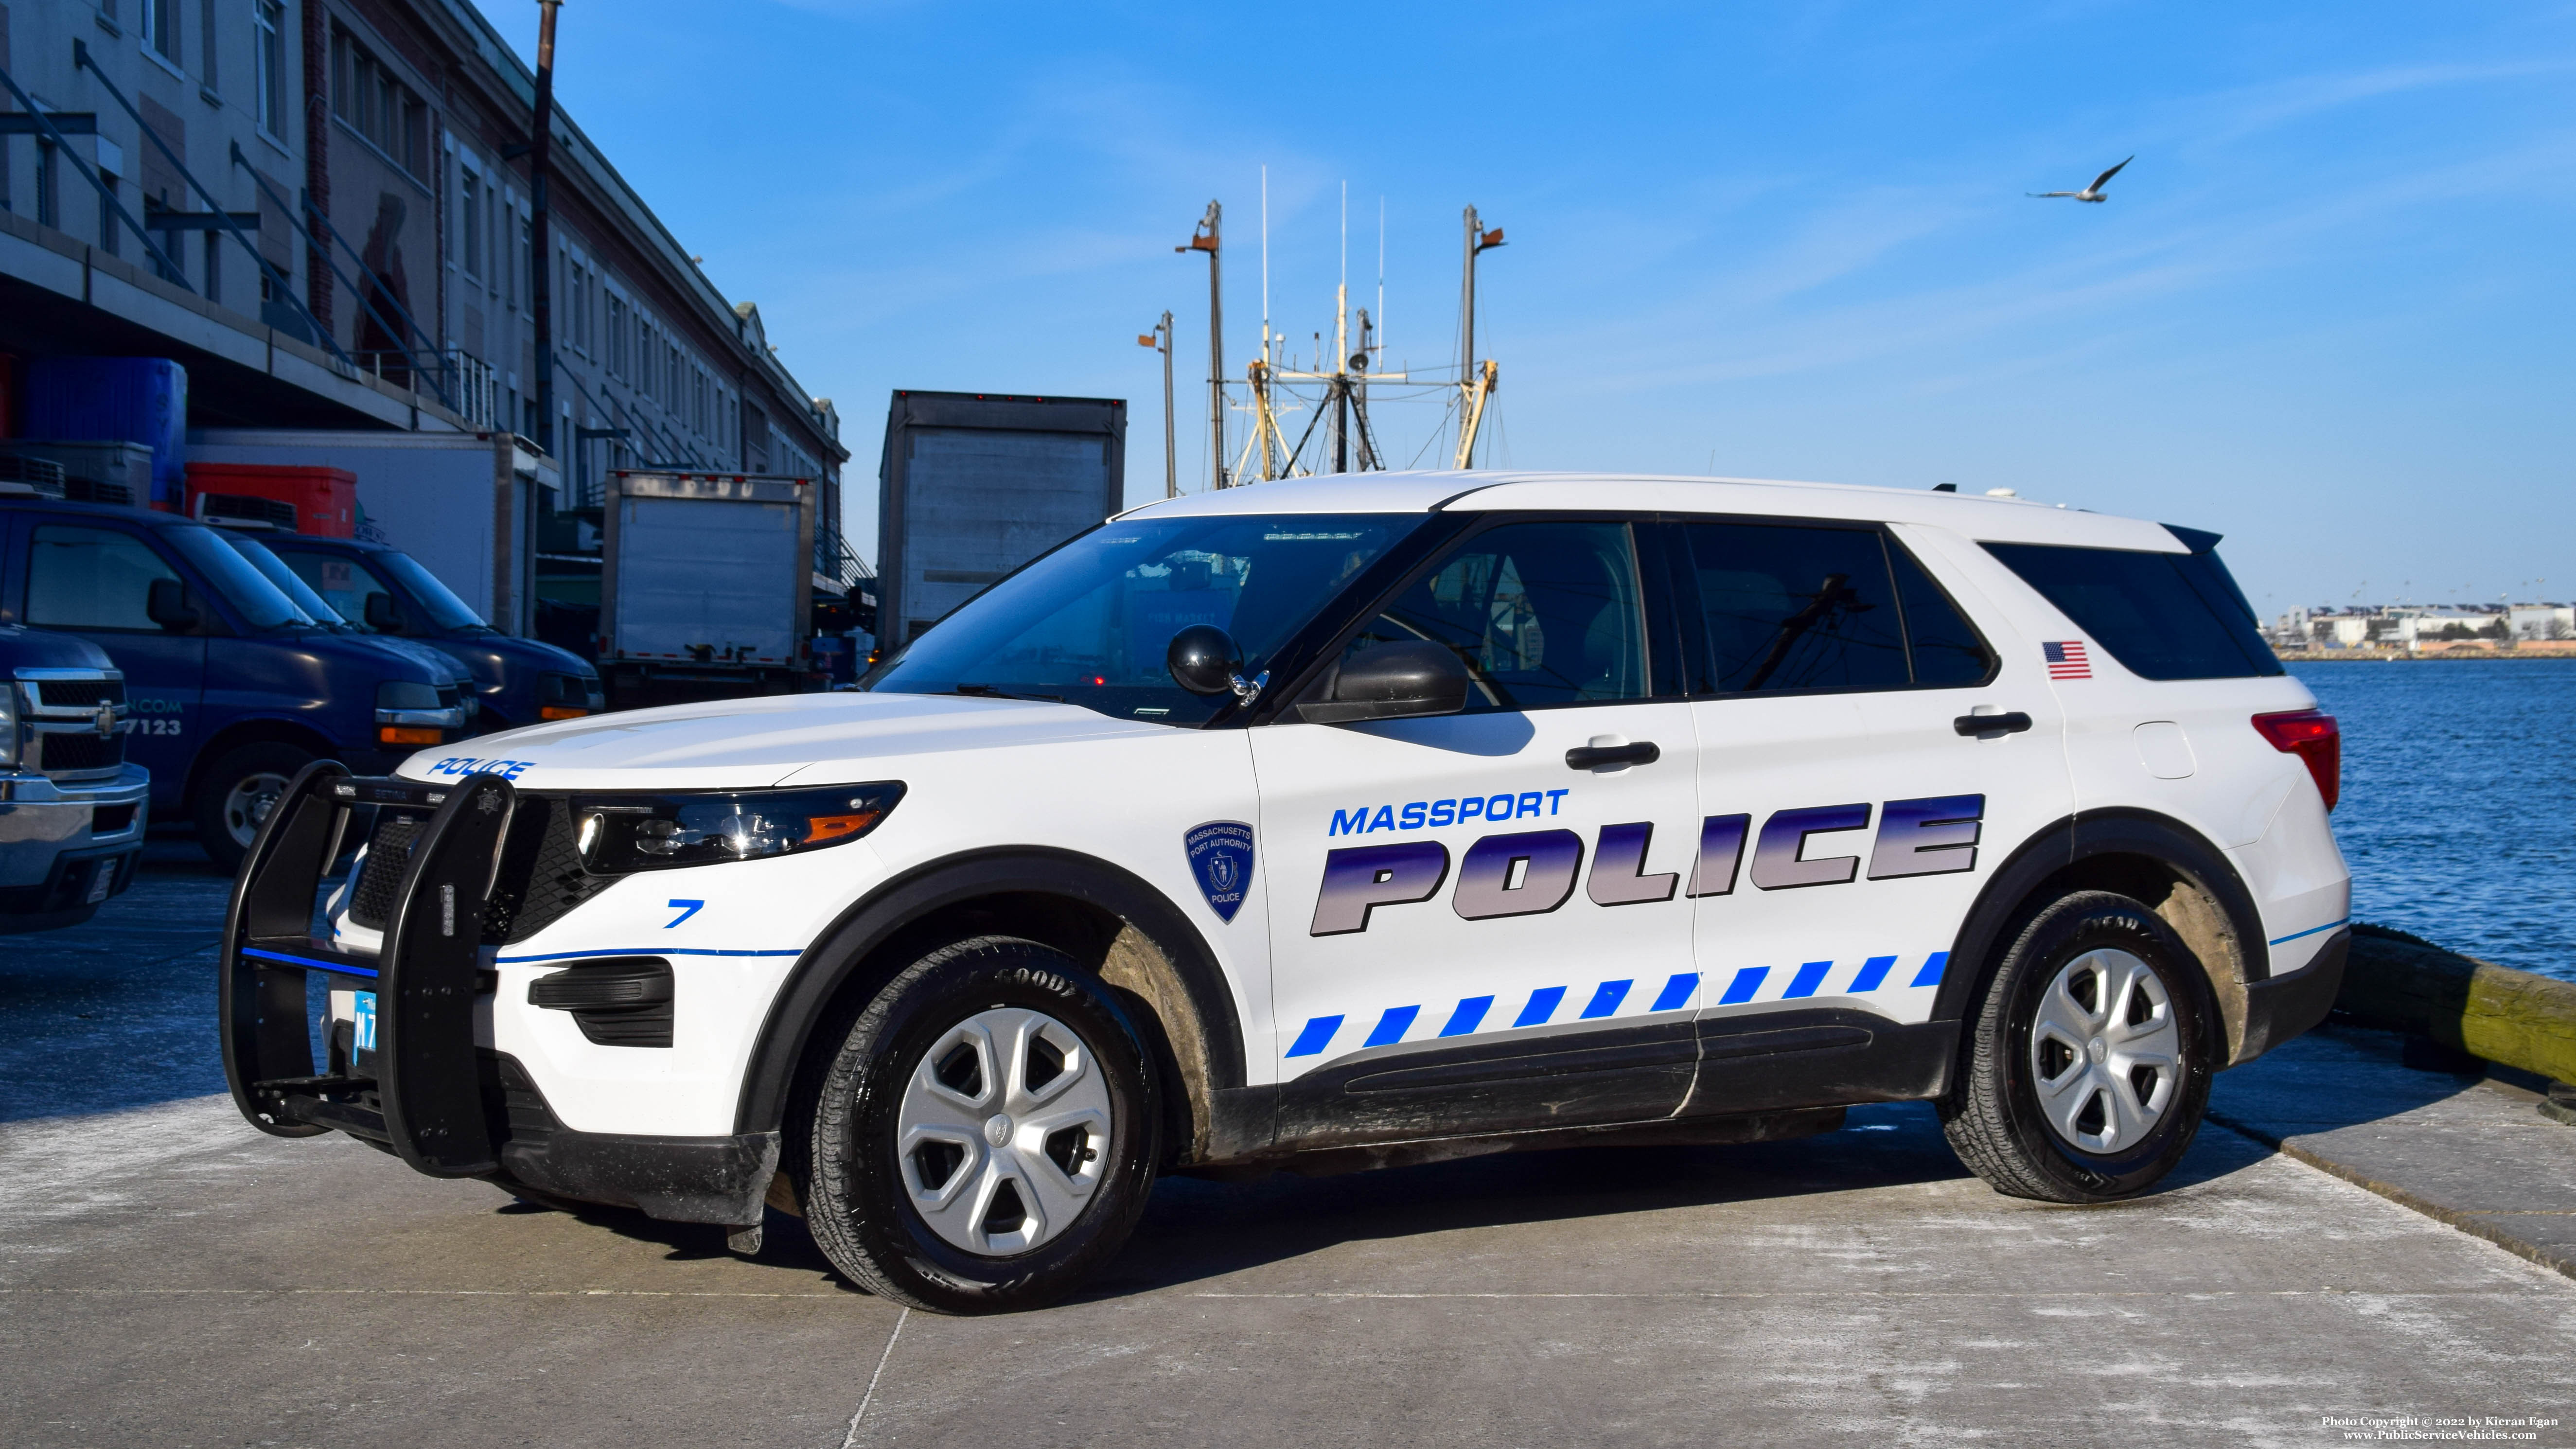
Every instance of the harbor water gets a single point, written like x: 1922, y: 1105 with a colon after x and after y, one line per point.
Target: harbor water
x: 2459, y: 806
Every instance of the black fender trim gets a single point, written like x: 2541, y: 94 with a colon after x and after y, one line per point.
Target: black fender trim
x: 2278, y: 1008
x: 677, y: 1179
x: 2000, y: 907
x: 828, y: 965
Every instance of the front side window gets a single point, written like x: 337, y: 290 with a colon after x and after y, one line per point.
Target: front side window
x: 1813, y: 607
x: 290, y: 583
x: 447, y: 611
x: 2162, y: 615
x: 1092, y: 623
x: 343, y: 585
x: 1542, y: 613
x: 92, y: 578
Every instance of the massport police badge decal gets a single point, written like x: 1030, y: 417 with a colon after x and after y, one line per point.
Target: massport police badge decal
x: 1221, y: 859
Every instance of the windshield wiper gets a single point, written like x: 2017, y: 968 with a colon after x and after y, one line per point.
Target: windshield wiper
x: 987, y: 691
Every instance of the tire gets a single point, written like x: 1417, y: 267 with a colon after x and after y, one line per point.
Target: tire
x: 234, y: 795
x: 907, y: 1191
x: 2089, y: 1058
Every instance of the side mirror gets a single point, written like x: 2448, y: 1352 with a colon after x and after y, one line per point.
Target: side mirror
x: 383, y: 614
x: 167, y: 604
x: 1405, y: 680
x: 1204, y: 660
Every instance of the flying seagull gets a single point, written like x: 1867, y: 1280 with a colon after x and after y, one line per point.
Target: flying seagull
x: 2089, y: 193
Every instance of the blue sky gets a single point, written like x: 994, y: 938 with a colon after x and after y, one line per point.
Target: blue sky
x: 2327, y: 311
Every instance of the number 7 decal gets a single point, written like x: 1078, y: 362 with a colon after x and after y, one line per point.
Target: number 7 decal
x: 691, y: 909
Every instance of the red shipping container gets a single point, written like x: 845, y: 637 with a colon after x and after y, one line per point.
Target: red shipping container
x: 325, y: 500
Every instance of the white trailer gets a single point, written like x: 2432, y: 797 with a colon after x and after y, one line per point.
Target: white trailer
x: 464, y: 504
x: 705, y: 584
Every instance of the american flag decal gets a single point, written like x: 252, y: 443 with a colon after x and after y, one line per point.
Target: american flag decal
x: 2067, y: 660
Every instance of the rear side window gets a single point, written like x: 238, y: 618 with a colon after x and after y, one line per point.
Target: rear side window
x: 2162, y: 615
x: 1796, y: 607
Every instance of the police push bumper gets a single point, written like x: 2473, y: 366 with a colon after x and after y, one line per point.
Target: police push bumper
x: 423, y: 1088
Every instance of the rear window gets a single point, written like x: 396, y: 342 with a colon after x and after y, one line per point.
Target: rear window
x: 2162, y: 615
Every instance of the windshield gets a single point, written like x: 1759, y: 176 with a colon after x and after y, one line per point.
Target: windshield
x: 445, y: 609
x: 274, y: 569
x: 1090, y: 623
x: 250, y: 593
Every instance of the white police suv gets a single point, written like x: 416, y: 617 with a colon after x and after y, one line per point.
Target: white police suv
x: 1333, y: 823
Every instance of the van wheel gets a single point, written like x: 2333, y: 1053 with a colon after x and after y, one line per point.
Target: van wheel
x: 985, y: 1135
x: 2089, y: 1064
x: 236, y: 793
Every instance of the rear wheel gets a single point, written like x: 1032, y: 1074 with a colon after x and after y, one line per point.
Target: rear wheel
x: 236, y: 793
x: 985, y: 1135
x: 2090, y: 1062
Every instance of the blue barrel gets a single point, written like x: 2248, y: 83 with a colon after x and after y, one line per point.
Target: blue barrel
x: 118, y: 400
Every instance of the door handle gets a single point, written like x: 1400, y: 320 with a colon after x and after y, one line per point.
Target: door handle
x: 1593, y: 757
x: 1991, y: 724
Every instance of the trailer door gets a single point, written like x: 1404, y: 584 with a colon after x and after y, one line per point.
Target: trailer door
x: 706, y: 580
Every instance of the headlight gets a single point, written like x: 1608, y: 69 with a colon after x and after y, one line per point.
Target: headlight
x: 567, y: 696
x: 409, y: 713
x: 623, y: 833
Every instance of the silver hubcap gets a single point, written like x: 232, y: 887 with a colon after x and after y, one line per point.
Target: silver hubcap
x: 2105, y: 1052
x: 1004, y: 1131
x: 252, y: 797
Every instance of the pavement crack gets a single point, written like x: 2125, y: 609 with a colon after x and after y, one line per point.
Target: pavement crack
x: 852, y: 1437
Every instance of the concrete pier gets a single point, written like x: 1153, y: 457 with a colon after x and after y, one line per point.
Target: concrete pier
x: 2349, y: 1239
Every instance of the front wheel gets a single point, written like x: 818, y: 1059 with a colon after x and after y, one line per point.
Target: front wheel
x: 2089, y: 1064
x: 985, y: 1136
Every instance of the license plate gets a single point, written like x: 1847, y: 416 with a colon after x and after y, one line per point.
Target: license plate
x: 101, y: 877
x: 363, y: 1014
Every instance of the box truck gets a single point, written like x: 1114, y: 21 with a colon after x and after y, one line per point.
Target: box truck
x: 973, y: 485
x: 706, y: 585
x: 465, y: 505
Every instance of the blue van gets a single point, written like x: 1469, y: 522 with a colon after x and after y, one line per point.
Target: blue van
x: 517, y: 681
x: 231, y: 687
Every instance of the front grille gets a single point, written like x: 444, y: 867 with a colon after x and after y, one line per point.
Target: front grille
x: 73, y: 693
x: 541, y: 876
x: 388, y: 850
x: 67, y: 754
x: 539, y: 880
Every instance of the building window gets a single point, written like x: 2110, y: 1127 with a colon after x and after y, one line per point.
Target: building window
x: 365, y: 94
x: 268, y: 64
x: 206, y: 41
x: 107, y: 227
x: 616, y: 338
x: 48, y: 197
x: 522, y: 263
x: 469, y: 221
x: 161, y: 28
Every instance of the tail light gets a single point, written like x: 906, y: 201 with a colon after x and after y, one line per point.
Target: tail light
x: 2311, y: 735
